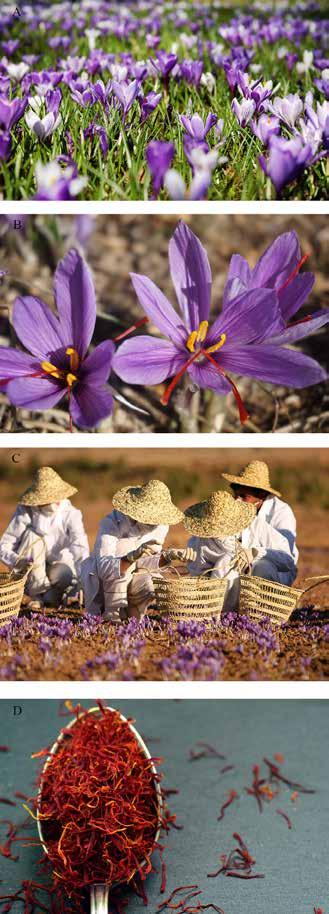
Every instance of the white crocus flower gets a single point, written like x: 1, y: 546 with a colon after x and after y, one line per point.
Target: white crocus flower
x: 306, y: 64
x: 209, y: 82
x: 42, y: 127
x: 16, y: 71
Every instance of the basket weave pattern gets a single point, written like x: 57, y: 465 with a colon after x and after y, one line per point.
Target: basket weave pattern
x: 259, y: 598
x: 11, y: 594
x: 187, y: 597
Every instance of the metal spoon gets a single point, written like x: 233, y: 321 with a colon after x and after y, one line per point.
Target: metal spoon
x: 99, y: 893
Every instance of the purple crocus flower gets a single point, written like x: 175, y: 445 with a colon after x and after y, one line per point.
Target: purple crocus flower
x: 148, y: 104
x: 287, y: 160
x: 11, y: 111
x: 159, y: 157
x: 247, y: 337
x: 195, y: 126
x: 164, y: 63
x: 57, y: 361
x: 243, y: 110
x: 126, y: 93
x: 265, y: 128
x: 5, y: 145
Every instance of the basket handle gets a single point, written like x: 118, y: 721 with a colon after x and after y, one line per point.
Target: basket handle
x: 319, y: 579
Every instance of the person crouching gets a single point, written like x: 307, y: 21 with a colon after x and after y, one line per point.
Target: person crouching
x: 116, y: 578
x: 271, y: 538
x: 216, y: 525
x: 46, y: 534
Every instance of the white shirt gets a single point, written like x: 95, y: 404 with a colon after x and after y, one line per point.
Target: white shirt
x: 272, y: 532
x: 118, y: 535
x: 63, y: 534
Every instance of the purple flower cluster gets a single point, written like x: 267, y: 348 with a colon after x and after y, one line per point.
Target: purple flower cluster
x: 149, y: 79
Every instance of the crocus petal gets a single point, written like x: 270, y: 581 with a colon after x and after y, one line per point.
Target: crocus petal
x: 206, y: 376
x: 277, y: 262
x: 75, y: 301
x: 146, y: 360
x: 300, y: 330
x: 239, y: 268
x: 97, y: 366
x: 273, y: 364
x: 36, y: 326
x: 89, y: 405
x: 15, y: 364
x: 233, y: 289
x: 191, y: 276
x: 296, y: 292
x: 158, y: 309
x: 34, y: 393
x: 255, y: 315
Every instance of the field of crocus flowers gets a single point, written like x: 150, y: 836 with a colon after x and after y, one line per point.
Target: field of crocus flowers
x: 179, y: 100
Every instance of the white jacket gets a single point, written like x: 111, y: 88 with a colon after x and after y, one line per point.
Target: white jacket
x: 272, y: 532
x: 63, y: 534
x: 118, y: 535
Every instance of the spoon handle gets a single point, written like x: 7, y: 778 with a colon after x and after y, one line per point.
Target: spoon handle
x: 99, y: 899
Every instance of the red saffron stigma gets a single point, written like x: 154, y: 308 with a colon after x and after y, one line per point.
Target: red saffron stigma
x: 243, y: 414
x: 281, y: 812
x: 294, y: 273
x: 130, y: 330
x: 233, y: 795
x: 167, y: 394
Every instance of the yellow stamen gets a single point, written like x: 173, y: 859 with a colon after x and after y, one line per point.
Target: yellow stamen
x: 218, y: 345
x: 51, y: 369
x: 197, y: 336
x: 190, y: 342
x: 202, y: 331
x: 70, y: 379
x: 74, y: 358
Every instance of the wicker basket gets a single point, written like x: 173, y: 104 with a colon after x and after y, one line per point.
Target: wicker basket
x: 186, y: 597
x: 260, y: 598
x: 11, y: 594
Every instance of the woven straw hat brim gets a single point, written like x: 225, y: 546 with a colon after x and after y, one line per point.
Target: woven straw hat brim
x: 36, y: 498
x: 199, y: 522
x: 250, y: 484
x: 146, y: 511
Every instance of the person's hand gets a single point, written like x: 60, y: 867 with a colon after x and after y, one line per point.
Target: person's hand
x: 150, y: 548
x: 183, y: 555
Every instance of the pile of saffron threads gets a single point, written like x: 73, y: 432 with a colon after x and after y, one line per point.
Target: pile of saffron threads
x: 98, y: 805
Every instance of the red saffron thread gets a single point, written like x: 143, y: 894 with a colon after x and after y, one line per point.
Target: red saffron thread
x: 276, y: 774
x: 233, y: 795
x: 243, y: 413
x: 294, y: 273
x: 131, y: 329
x: 284, y: 815
x: 206, y: 751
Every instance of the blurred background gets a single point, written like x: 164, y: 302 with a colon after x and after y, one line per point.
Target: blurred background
x: 301, y: 475
x: 114, y: 245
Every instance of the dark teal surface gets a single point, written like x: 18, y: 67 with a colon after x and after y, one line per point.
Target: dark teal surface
x: 295, y: 862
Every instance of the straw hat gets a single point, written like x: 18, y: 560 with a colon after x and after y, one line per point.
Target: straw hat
x: 47, y: 486
x: 221, y: 515
x: 148, y: 504
x: 255, y: 475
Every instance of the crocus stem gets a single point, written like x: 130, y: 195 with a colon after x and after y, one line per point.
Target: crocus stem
x: 131, y: 329
x: 167, y: 394
x: 244, y: 415
x: 294, y: 273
